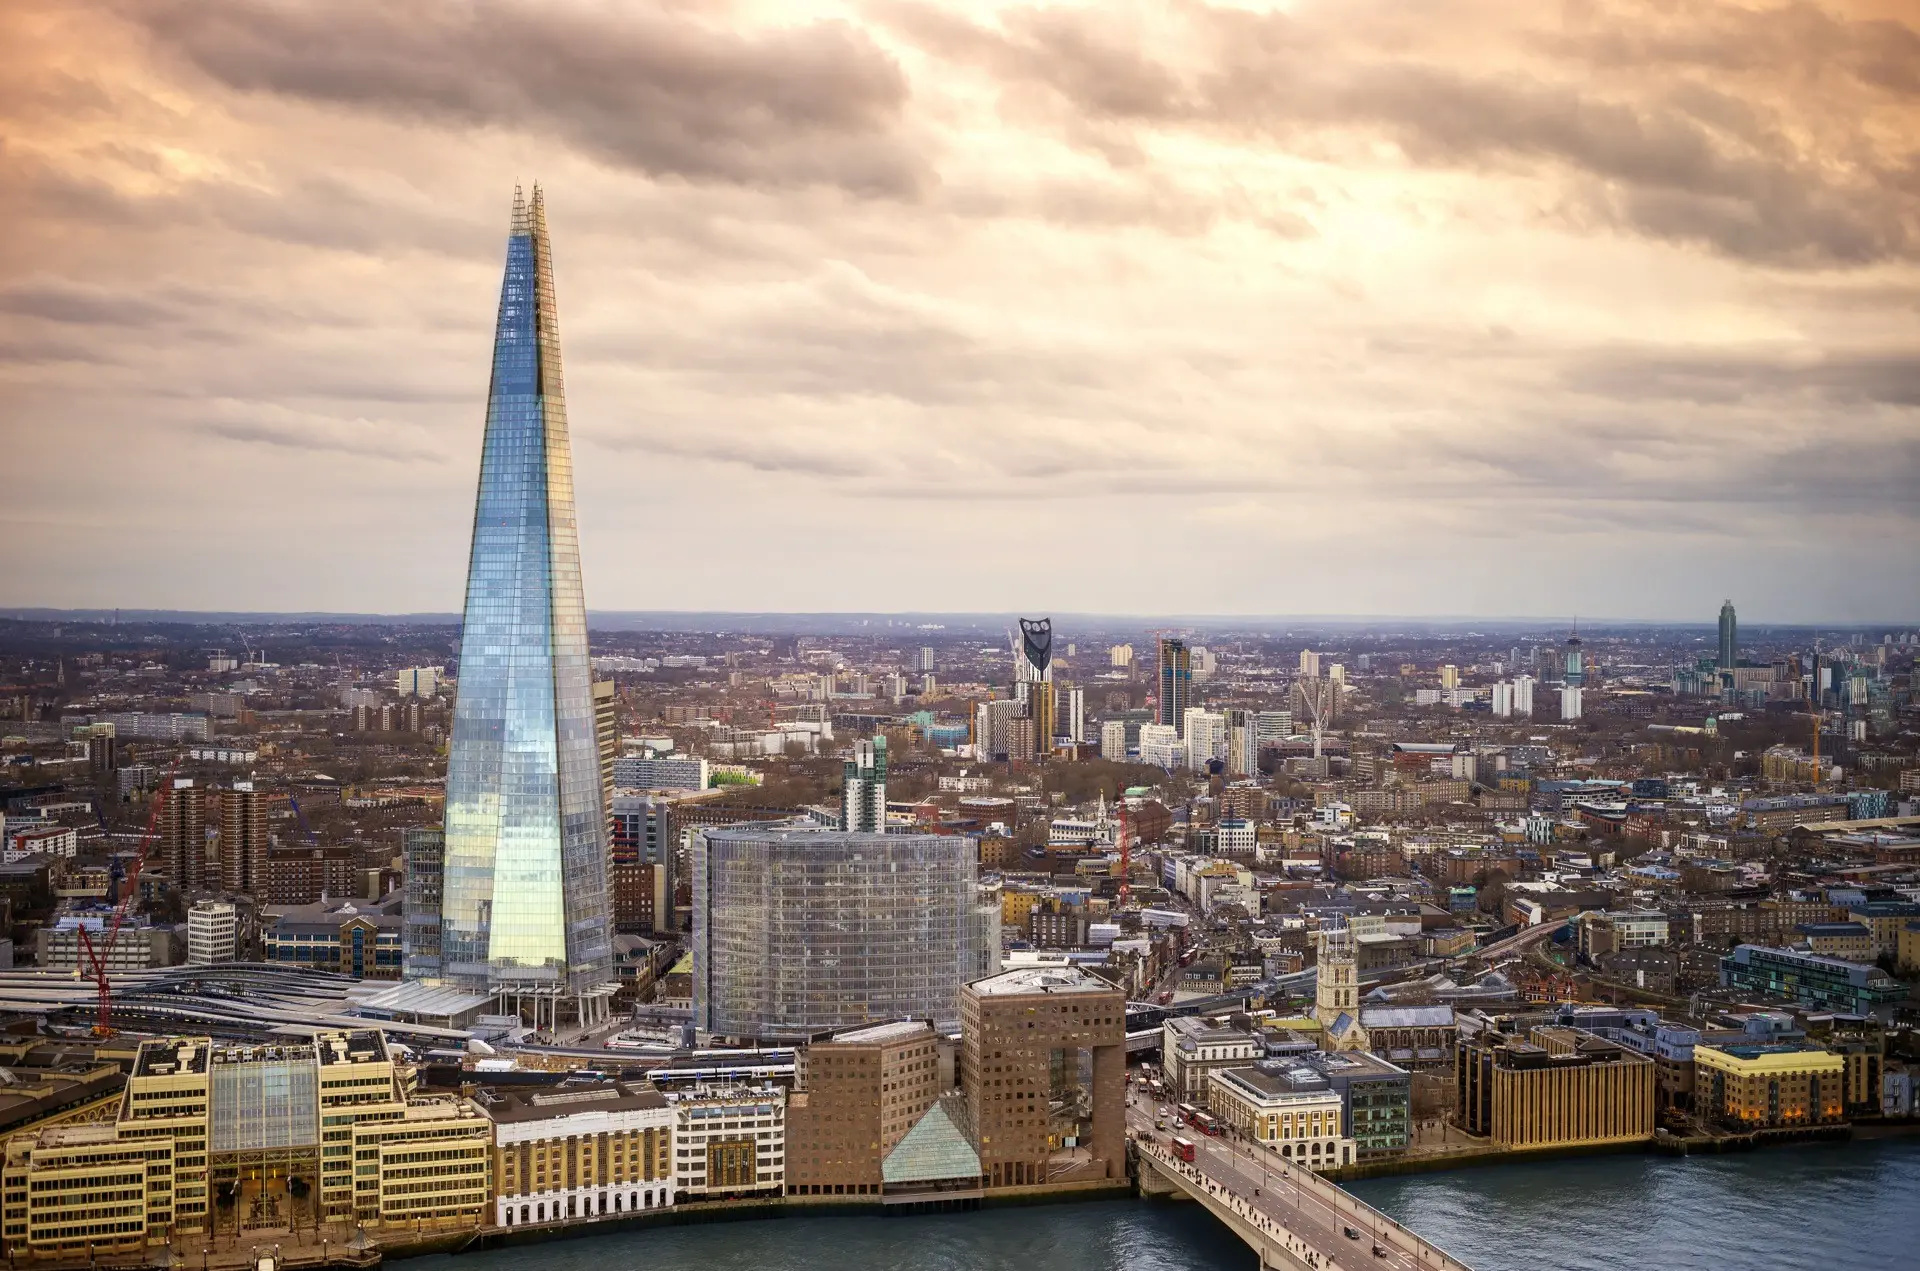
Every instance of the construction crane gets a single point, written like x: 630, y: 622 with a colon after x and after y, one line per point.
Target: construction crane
x: 300, y: 816
x: 97, y: 958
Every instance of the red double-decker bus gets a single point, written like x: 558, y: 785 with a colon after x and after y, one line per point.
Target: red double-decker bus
x: 1183, y: 1148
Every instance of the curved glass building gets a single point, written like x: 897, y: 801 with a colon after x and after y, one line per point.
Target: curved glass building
x: 800, y: 930
x: 524, y: 905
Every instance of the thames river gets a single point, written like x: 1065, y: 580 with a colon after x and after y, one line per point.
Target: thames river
x: 1853, y: 1205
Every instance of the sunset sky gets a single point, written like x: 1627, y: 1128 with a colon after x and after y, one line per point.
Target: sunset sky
x: 1330, y: 307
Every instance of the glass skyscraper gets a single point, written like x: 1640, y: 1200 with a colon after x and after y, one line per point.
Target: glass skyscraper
x: 524, y: 903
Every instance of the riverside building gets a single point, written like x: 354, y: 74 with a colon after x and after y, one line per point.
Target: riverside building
x: 1044, y: 1067
x: 729, y: 1141
x: 1288, y: 1107
x: 579, y: 1152
x: 1559, y: 1087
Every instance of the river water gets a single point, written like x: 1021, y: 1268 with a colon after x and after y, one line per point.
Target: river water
x: 1855, y: 1206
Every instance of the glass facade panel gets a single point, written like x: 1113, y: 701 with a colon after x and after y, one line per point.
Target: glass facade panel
x: 799, y: 930
x: 524, y: 883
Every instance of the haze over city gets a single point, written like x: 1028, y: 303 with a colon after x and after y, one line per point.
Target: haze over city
x: 1364, y: 308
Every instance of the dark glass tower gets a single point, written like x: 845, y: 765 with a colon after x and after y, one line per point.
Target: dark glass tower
x: 524, y: 905
x: 1176, y: 684
x: 1729, y: 637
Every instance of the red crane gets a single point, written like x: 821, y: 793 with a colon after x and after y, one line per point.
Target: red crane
x: 97, y: 957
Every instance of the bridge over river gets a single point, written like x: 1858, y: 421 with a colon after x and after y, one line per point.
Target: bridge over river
x: 1292, y: 1218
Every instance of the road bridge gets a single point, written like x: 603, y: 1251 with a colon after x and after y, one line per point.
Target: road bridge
x: 1293, y: 1219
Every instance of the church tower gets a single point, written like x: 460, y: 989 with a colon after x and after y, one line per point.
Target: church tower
x: 1336, y: 1001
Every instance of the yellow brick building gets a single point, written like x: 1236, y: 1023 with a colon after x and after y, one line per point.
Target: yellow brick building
x: 79, y: 1190
x: 1771, y: 1086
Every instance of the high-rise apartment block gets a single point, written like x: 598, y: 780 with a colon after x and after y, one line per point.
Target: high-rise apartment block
x: 525, y: 904
x: 1113, y: 739
x: 1176, y: 685
x: 1206, y: 733
x: 243, y: 838
x: 418, y: 681
x: 863, y: 791
x: 1309, y: 664
x: 182, y: 832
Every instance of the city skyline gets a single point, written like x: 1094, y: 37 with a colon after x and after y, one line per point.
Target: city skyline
x: 1484, y: 303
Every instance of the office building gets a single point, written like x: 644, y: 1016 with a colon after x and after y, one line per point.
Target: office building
x: 213, y: 932
x: 593, y: 1150
x: 524, y: 887
x: 729, y: 1141
x: 863, y: 790
x: 1113, y: 739
x: 1044, y: 1064
x: 268, y: 1121
x: 797, y: 931
x: 1729, y: 638
x: 1192, y: 1047
x: 140, y: 946
x: 1809, y: 979
x: 1176, y: 686
x: 362, y: 939
x: 1601, y: 932
x: 1286, y: 1106
x: 1559, y: 1087
x: 1272, y: 727
x: 1376, y: 1099
x: 856, y: 1097
x: 83, y: 1191
x: 1769, y: 1086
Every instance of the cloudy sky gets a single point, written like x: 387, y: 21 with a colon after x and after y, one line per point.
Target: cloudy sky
x: 1608, y: 307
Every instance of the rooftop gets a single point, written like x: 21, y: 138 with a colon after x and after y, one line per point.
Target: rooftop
x: 876, y: 1034
x: 510, y: 1105
x: 1040, y: 979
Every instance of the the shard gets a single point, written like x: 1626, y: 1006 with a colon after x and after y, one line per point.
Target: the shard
x: 524, y: 907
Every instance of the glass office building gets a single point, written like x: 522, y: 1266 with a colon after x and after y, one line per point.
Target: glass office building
x: 524, y: 903
x: 797, y: 930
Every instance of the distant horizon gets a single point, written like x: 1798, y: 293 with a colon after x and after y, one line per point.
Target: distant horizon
x: 637, y: 619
